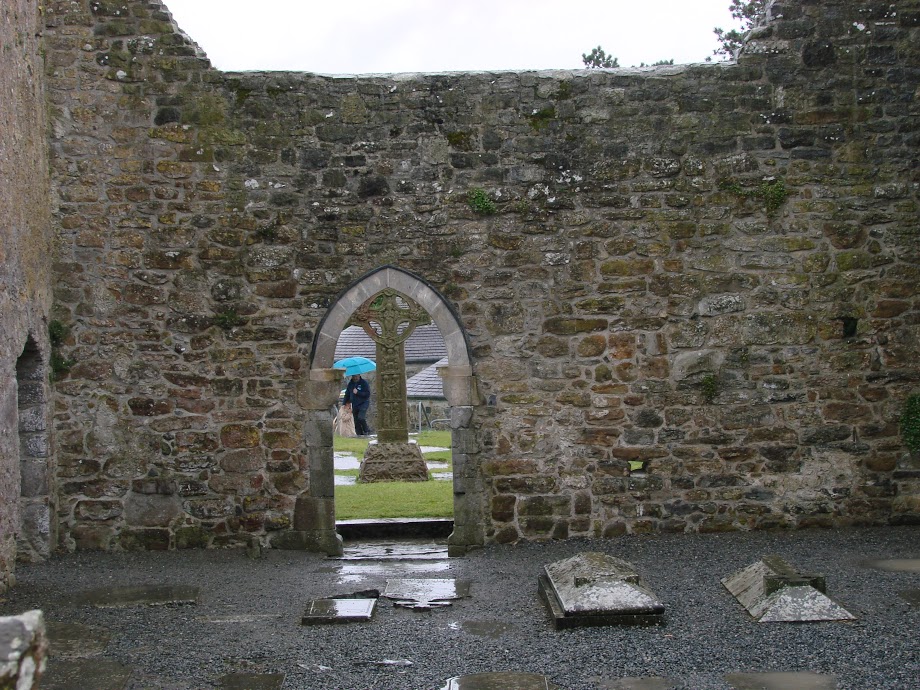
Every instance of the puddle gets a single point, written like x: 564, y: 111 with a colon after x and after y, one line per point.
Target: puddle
x: 490, y: 629
x: 426, y: 592
x: 394, y: 551
x: 345, y: 480
x: 895, y: 565
x: 345, y: 461
x: 500, y: 681
x: 350, y: 574
x: 442, y: 476
x: 781, y: 681
x: 436, y: 465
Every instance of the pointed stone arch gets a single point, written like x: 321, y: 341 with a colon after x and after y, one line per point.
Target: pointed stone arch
x: 314, y: 518
x: 34, y: 536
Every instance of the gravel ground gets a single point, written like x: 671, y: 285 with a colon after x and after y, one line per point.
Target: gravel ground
x: 248, y: 618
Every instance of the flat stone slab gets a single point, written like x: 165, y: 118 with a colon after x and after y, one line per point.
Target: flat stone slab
x: 251, y: 681
x: 326, y: 611
x: 781, y: 681
x: 491, y: 629
x: 911, y: 596
x: 75, y: 640
x: 594, y: 588
x: 773, y: 592
x: 644, y: 683
x: 425, y: 593
x: 141, y: 595
x: 500, y: 681
x: 896, y: 565
x: 82, y: 674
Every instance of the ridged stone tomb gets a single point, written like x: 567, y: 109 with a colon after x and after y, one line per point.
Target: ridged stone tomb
x: 772, y: 591
x: 596, y: 589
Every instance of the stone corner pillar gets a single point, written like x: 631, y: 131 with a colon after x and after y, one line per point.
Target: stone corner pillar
x: 313, y: 528
x: 319, y: 389
x: 461, y: 388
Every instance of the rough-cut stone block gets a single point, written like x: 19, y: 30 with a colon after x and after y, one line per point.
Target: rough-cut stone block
x: 23, y: 650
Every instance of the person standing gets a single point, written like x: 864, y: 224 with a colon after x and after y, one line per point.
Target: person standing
x: 358, y: 397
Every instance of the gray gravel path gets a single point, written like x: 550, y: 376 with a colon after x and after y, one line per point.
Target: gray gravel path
x: 248, y: 619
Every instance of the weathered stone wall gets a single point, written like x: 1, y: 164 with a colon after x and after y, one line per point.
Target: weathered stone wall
x: 25, y: 295
x: 707, y: 271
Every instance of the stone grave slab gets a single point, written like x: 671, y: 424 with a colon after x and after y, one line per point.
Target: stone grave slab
x: 75, y: 640
x: 911, y: 596
x: 896, y: 565
x: 251, y: 681
x: 772, y: 591
x: 500, y: 681
x: 781, y: 681
x: 594, y: 588
x: 326, y: 611
x: 492, y: 629
x: 644, y: 683
x: 81, y: 674
x: 425, y: 593
x: 140, y: 595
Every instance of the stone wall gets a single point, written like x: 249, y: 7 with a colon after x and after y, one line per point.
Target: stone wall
x: 688, y: 292
x: 25, y: 295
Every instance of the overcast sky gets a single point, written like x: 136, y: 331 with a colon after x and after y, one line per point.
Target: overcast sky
x: 363, y: 36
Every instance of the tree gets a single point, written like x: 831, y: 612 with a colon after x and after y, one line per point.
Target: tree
x: 657, y: 63
x: 597, y: 59
x: 747, y: 11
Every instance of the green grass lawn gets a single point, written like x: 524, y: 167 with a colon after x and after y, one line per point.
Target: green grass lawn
x: 395, y: 499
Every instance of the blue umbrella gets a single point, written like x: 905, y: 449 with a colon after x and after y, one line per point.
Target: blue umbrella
x: 355, y: 365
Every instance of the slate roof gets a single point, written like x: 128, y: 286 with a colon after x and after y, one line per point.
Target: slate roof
x: 424, y: 345
x: 426, y: 383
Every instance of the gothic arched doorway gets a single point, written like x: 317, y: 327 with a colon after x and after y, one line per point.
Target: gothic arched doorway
x: 315, y: 514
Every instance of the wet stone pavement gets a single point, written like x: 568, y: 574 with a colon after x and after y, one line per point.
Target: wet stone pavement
x: 216, y: 619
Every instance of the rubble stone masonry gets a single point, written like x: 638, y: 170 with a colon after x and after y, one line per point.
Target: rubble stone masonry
x: 25, y: 291
x: 689, y: 293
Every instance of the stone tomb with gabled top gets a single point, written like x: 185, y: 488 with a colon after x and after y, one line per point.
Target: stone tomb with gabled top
x: 594, y: 588
x: 772, y: 591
